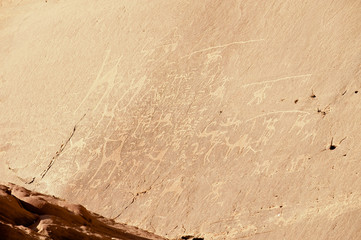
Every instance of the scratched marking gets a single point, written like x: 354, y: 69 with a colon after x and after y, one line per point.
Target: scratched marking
x: 277, y: 80
x: 221, y: 46
x: 277, y: 112
x: 259, y: 95
x: 108, y: 79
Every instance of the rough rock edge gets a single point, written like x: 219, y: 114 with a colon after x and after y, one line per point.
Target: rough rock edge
x: 30, y: 215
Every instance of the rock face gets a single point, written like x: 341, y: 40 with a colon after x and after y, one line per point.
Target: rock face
x: 30, y: 215
x: 216, y: 119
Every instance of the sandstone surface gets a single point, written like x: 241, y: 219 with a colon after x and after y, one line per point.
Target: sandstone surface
x: 215, y: 119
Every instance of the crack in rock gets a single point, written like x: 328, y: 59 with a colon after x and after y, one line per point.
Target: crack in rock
x: 136, y: 196
x: 57, y: 154
x: 31, y: 181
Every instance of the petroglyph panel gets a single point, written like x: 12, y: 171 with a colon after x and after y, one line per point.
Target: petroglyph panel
x: 214, y: 119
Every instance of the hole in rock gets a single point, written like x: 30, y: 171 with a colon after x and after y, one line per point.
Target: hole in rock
x: 313, y: 95
x: 320, y: 111
x: 186, y: 237
x: 332, y: 147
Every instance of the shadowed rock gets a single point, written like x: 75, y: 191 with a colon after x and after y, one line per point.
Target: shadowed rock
x: 26, y: 214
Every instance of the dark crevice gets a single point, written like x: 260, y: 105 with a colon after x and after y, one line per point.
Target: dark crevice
x: 332, y: 147
x: 191, y: 237
x: 187, y: 237
x: 61, y: 149
x: 323, y: 113
x: 313, y: 95
x: 342, y: 140
x: 31, y: 181
x: 135, y: 196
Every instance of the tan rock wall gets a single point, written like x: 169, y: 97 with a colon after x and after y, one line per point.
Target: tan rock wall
x: 208, y: 118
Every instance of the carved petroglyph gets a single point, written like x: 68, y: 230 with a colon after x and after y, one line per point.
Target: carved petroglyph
x: 300, y: 123
x: 102, y: 80
x: 260, y: 94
